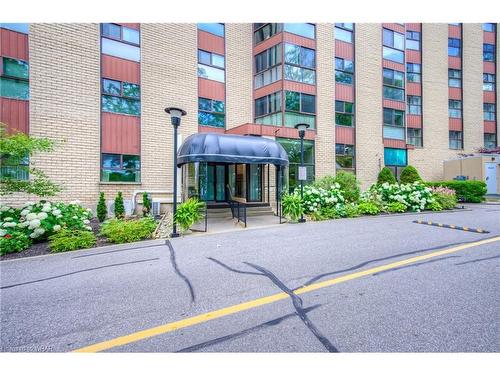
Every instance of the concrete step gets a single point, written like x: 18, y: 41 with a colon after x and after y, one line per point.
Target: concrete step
x: 251, y: 211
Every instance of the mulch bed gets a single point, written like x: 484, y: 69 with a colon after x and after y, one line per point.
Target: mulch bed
x: 42, y: 248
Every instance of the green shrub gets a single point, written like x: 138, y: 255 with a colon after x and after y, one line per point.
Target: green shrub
x: 351, y: 210
x: 119, y: 207
x: 435, y: 206
x: 102, y: 211
x: 292, y: 206
x: 446, y: 197
x: 123, y: 231
x: 409, y: 175
x: 466, y: 191
x: 349, y: 186
x: 325, y: 182
x: 14, y: 243
x: 369, y: 208
x: 386, y: 175
x: 146, y: 204
x: 188, y: 213
x: 394, y: 207
x: 68, y: 240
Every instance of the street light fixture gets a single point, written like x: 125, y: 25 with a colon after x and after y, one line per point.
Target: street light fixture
x: 175, y: 117
x: 302, y: 170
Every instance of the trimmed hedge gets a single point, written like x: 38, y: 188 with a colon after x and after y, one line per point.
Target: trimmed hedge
x: 467, y: 191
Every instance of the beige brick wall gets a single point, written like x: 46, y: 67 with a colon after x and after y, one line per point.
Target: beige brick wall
x: 473, y: 86
x: 325, y: 100
x: 239, y: 74
x: 368, y: 73
x: 64, y: 106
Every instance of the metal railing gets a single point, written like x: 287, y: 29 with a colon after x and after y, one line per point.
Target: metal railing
x: 238, y: 211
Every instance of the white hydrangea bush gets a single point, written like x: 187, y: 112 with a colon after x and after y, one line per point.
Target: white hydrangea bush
x: 42, y: 219
x: 415, y: 196
x: 316, y: 197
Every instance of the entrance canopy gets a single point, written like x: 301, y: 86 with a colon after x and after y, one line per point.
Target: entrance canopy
x: 229, y: 148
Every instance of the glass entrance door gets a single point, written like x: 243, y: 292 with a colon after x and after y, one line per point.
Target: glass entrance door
x: 254, y: 174
x: 213, y: 182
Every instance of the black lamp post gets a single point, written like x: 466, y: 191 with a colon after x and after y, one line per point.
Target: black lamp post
x: 302, y: 132
x: 175, y: 117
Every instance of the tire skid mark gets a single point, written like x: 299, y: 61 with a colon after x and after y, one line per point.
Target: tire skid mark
x: 478, y: 260
x: 178, y: 272
x: 417, y: 264
x: 244, y: 332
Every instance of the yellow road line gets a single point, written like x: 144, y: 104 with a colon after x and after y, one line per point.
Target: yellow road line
x: 169, y: 327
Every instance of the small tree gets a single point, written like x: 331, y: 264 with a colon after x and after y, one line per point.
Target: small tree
x: 119, y: 207
x: 409, y: 175
x: 17, y: 176
x: 386, y: 175
x: 102, y: 211
x: 146, y: 204
x: 349, y: 185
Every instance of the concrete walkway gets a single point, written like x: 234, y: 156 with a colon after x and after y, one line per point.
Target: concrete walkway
x: 222, y: 225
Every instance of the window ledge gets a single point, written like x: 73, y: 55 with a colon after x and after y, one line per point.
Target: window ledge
x: 119, y: 183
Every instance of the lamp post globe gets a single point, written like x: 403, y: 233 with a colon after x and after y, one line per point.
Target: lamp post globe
x: 302, y: 132
x: 175, y: 118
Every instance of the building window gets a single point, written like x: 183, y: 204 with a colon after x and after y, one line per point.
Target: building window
x: 393, y: 84
x: 488, y: 82
x: 414, y: 104
x: 121, y: 97
x: 13, y: 168
x: 413, y: 72
x: 490, y: 140
x: 491, y: 27
x: 454, y: 47
x: 209, y: 72
x: 17, y: 27
x: 343, y: 31
x: 120, y: 168
x: 121, y: 50
x: 299, y: 108
x: 455, y: 140
x: 344, y: 70
x: 395, y: 159
x: 268, y: 109
x: 344, y: 113
x: 292, y: 148
x: 414, y: 137
x: 413, y: 40
x: 266, y: 31
x: 394, y: 45
x: 303, y: 29
x: 120, y: 33
x: 212, y: 28
x: 267, y: 66
x: 455, y: 108
x: 344, y: 157
x: 489, y: 110
x: 454, y: 78
x: 488, y: 52
x: 299, y: 64
x: 394, y: 123
x: 211, y: 112
x: 209, y: 58
x: 14, y: 82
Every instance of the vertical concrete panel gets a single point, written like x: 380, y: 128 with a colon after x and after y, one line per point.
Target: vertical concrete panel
x: 368, y: 68
x: 325, y: 100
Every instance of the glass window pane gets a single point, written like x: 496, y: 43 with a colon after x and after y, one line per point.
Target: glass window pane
x: 307, y: 57
x: 111, y: 87
x: 393, y: 93
x: 388, y: 116
x: 15, y: 68
x: 111, y: 30
x: 211, y: 119
x: 303, y: 29
x: 292, y: 54
x: 292, y: 101
x: 342, y: 77
x: 121, y: 105
x: 218, y: 106
x: 413, y: 44
x: 213, y: 28
x: 118, y: 49
x: 387, y: 38
x: 292, y: 119
x: 348, y: 66
x: 399, y: 118
x: 205, y: 104
x: 14, y: 88
x: 130, y: 35
x: 210, y: 72
x: 393, y: 55
x: 131, y: 162
x: 218, y: 60
x: 131, y: 90
x: 344, y: 35
x: 399, y: 79
x: 204, y: 57
x: 399, y: 41
x: 111, y: 161
x: 308, y: 103
x: 19, y: 27
x: 343, y: 119
x: 339, y: 106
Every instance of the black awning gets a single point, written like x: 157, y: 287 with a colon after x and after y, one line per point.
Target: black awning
x: 229, y: 148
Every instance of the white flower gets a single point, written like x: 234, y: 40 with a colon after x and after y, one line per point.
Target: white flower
x: 30, y: 204
x: 59, y: 216
x: 86, y: 222
x: 75, y: 217
x: 56, y: 212
x: 4, y: 208
x: 42, y: 215
x: 2, y: 232
x: 33, y: 235
x: 56, y: 228
x: 9, y: 225
x: 39, y: 231
x: 23, y: 224
x: 31, y: 216
x: 88, y: 228
x: 8, y: 219
x: 34, y: 224
x: 46, y: 208
x: 25, y: 212
x: 89, y: 210
x: 75, y: 202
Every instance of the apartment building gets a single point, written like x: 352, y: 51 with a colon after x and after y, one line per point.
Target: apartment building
x: 373, y: 95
